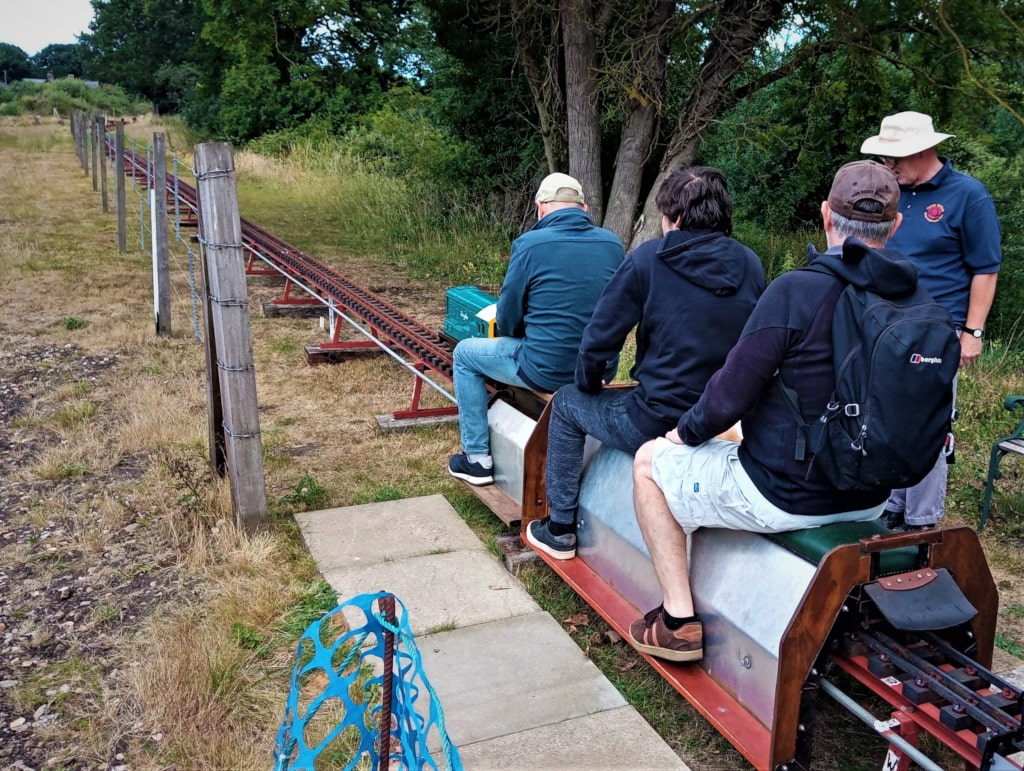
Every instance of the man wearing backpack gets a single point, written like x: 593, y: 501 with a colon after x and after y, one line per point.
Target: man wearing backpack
x: 951, y: 232
x: 689, y: 479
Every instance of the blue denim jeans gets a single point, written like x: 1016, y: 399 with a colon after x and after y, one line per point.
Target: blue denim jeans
x: 574, y: 414
x: 474, y: 360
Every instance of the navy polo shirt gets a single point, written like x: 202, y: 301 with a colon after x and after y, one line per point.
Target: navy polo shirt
x: 951, y: 231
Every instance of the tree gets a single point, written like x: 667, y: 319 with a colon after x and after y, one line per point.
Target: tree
x: 310, y: 57
x: 15, y: 64
x: 644, y: 81
x: 131, y: 41
x: 61, y: 60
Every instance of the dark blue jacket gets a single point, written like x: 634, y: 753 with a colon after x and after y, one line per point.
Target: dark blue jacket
x: 688, y: 295
x: 790, y: 332
x: 556, y: 272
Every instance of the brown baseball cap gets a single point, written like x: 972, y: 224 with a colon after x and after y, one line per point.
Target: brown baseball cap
x: 865, y: 181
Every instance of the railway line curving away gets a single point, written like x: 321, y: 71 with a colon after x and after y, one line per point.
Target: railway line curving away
x: 422, y: 350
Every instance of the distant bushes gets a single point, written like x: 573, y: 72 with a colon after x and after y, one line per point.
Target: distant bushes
x: 65, y: 95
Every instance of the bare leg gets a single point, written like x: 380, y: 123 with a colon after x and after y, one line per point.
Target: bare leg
x: 664, y: 536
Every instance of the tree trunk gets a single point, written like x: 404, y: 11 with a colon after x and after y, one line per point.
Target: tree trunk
x: 740, y: 26
x: 538, y: 37
x: 583, y: 115
x: 643, y: 99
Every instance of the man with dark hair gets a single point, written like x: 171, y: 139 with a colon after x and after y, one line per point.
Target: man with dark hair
x: 555, y: 274
x: 688, y: 479
x: 688, y: 295
x: 951, y: 232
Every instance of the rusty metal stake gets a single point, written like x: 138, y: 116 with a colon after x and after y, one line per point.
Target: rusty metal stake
x: 387, y: 606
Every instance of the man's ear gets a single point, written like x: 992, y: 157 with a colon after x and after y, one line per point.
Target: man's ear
x: 896, y: 225
x: 826, y: 216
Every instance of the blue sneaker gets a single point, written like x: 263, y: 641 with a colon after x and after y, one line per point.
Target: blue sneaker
x: 474, y: 473
x: 561, y: 547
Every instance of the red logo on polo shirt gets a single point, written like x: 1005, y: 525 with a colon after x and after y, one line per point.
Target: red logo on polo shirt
x: 934, y: 212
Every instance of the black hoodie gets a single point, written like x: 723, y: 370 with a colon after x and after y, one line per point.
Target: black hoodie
x: 790, y: 332
x: 688, y: 295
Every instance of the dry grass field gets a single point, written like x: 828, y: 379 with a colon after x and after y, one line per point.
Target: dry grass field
x: 139, y: 629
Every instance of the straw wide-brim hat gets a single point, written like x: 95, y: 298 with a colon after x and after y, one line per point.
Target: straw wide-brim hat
x: 903, y: 134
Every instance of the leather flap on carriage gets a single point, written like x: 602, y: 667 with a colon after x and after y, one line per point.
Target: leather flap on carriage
x: 920, y: 600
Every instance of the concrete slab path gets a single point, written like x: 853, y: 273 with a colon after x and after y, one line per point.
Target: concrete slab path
x: 516, y: 691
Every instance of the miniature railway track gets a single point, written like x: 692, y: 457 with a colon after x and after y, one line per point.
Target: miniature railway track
x: 388, y: 324
x: 967, y: 707
x: 932, y: 686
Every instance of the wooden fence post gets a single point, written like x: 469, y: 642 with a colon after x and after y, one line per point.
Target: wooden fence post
x: 228, y: 336
x: 101, y: 129
x: 94, y: 141
x: 83, y: 138
x: 161, y: 266
x: 122, y: 233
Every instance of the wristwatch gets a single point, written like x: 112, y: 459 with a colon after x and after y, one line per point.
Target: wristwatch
x: 974, y: 332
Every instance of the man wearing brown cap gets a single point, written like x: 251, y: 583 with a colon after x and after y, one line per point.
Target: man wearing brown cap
x: 951, y: 232
x: 556, y: 272
x: 690, y: 479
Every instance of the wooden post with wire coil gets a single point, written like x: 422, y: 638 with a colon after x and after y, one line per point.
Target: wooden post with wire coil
x: 101, y: 135
x: 119, y: 192
x: 161, y: 261
x: 229, y: 357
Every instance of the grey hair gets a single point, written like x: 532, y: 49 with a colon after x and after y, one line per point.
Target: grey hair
x: 871, y: 233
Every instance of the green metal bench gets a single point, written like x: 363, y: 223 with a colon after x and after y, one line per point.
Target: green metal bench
x: 1012, y: 443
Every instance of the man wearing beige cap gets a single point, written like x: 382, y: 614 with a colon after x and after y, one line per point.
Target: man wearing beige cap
x: 556, y: 272
x: 951, y: 231
x: 690, y: 479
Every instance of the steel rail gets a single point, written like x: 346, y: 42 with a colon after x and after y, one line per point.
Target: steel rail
x: 881, y: 727
x: 321, y: 281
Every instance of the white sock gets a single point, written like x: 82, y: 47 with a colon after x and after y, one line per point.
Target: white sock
x: 484, y: 460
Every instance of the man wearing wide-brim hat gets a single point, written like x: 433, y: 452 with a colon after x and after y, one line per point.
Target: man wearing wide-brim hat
x: 951, y: 231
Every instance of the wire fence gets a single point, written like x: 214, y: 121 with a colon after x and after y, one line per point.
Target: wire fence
x: 184, y: 251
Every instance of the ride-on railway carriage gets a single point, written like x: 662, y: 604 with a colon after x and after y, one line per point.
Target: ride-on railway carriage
x: 910, y: 615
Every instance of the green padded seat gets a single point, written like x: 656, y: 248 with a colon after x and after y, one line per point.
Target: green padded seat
x: 815, y: 542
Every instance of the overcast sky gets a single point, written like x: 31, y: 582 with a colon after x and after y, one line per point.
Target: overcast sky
x: 34, y: 24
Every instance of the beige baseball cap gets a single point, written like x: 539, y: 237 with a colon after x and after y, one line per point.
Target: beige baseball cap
x: 560, y: 187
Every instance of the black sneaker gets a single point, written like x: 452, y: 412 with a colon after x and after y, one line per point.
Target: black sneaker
x: 892, y: 520
x: 474, y: 473
x: 561, y: 547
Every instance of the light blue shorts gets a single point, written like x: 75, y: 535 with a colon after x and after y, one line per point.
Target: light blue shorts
x: 707, y: 486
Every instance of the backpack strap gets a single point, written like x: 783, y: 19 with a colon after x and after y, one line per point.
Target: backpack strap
x: 790, y: 395
x: 803, y: 429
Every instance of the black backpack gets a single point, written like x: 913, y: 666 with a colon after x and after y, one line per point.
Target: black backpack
x: 889, y: 416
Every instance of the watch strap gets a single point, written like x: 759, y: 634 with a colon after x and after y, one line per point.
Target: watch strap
x: 974, y: 332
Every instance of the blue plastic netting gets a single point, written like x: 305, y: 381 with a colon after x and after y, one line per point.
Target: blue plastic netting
x: 335, y: 700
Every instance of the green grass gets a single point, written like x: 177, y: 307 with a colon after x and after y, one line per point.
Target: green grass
x: 445, y: 626
x: 377, y: 216
x: 318, y: 599
x: 1012, y: 647
x: 287, y: 346
x: 71, y: 323
x: 76, y: 414
x: 306, y: 495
